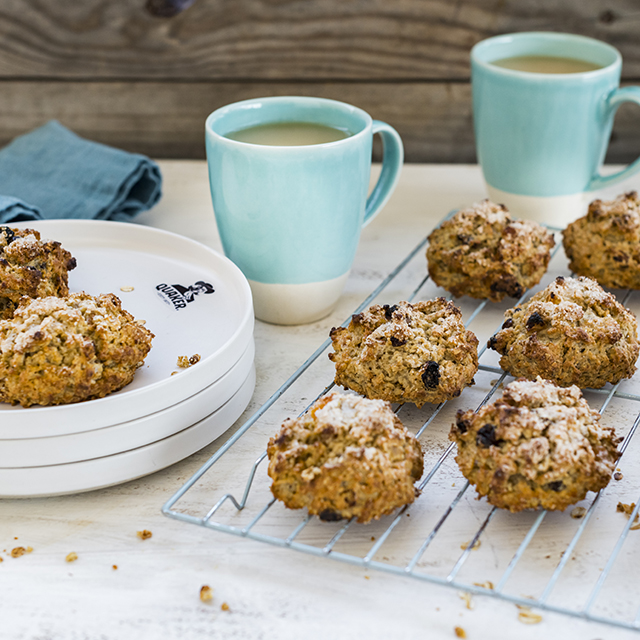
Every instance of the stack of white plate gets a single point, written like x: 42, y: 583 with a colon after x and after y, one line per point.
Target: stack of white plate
x: 196, y: 302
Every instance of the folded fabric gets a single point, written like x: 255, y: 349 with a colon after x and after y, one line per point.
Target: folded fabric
x: 14, y: 210
x: 61, y: 175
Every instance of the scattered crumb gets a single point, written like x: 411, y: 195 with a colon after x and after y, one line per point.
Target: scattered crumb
x: 71, y: 557
x: 17, y: 552
x: 627, y: 509
x: 225, y: 607
x: 466, y: 596
x: 367, y: 578
x: 145, y: 534
x: 114, y: 567
x: 487, y: 584
x: 206, y: 593
x: 618, y: 475
x: 578, y: 512
x: 526, y: 616
x: 373, y: 538
x: 126, y: 289
x: 460, y: 632
x: 15, y: 537
x: 477, y: 544
x: 173, y: 373
x: 1, y: 559
x: 184, y: 362
x: 453, y: 484
x: 29, y: 549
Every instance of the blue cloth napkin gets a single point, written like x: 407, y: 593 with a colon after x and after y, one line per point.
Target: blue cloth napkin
x: 53, y: 173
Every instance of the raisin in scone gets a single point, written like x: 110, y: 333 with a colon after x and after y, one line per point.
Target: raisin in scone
x: 572, y: 332
x: 346, y: 457
x: 62, y: 350
x: 539, y: 446
x: 481, y: 252
x: 416, y: 353
x: 605, y: 244
x: 30, y: 266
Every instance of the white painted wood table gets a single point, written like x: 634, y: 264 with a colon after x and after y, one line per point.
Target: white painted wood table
x: 270, y: 592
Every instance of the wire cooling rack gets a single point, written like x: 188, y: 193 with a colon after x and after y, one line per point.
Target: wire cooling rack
x: 580, y: 562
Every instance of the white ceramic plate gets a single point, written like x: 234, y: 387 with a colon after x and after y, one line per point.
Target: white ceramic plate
x: 75, y: 447
x: 104, y: 472
x: 164, y: 271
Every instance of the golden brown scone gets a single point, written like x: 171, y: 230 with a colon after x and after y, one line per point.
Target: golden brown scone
x: 30, y: 267
x: 62, y: 350
x: 539, y: 446
x: 481, y: 252
x: 605, y: 244
x: 416, y: 353
x: 346, y: 457
x: 572, y: 332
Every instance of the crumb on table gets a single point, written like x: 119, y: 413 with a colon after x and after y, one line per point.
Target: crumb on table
x: 145, y: 534
x: 71, y: 557
x: 627, y: 509
x: 206, y: 593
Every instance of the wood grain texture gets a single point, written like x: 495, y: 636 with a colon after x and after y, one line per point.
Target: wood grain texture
x: 114, y: 73
x: 166, y: 120
x: 287, y: 39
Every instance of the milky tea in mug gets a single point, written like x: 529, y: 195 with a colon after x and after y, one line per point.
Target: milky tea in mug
x: 290, y: 204
x: 543, y: 108
x: 289, y: 134
x: 546, y: 64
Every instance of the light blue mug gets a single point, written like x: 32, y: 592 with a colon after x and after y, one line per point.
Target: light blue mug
x: 541, y: 138
x: 290, y: 216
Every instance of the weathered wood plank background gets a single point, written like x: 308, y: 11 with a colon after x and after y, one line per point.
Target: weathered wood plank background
x: 113, y: 72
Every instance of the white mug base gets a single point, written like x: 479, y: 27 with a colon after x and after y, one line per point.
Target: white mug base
x: 296, y: 303
x: 557, y: 211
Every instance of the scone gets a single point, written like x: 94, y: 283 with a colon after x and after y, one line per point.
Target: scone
x: 416, y: 353
x: 30, y: 267
x: 481, y: 252
x: 346, y: 457
x: 62, y: 350
x: 605, y: 244
x: 572, y: 332
x: 539, y: 446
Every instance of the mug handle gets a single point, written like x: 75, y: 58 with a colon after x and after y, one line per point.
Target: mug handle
x: 614, y: 100
x: 392, y: 158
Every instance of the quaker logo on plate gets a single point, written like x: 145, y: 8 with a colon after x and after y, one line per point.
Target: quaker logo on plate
x: 180, y: 296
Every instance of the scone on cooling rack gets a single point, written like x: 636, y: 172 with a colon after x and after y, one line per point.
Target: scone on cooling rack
x: 482, y: 253
x: 30, y: 266
x: 538, y: 446
x: 605, y: 243
x: 346, y: 457
x: 63, y: 350
x: 417, y: 353
x: 572, y: 332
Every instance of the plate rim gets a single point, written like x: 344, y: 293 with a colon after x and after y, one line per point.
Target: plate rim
x: 233, y: 407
